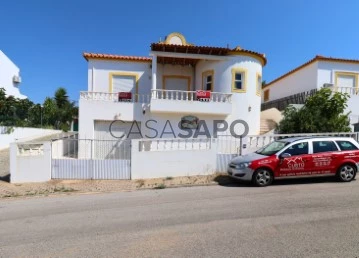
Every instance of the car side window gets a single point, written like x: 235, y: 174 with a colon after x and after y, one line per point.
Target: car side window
x: 346, y: 145
x: 298, y: 149
x: 324, y: 146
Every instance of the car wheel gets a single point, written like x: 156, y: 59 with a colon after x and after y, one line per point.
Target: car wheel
x: 346, y: 173
x: 262, y: 177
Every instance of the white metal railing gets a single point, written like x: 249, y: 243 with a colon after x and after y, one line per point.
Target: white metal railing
x: 189, y: 95
x: 349, y: 90
x: 113, y: 97
x: 174, y: 144
x: 228, y: 144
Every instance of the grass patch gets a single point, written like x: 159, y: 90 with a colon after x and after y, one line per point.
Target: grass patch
x: 160, y: 186
x: 140, y: 183
x: 63, y: 189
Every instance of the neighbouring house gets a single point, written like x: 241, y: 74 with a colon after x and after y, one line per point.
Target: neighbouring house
x: 296, y: 85
x: 10, y: 77
x: 175, y: 87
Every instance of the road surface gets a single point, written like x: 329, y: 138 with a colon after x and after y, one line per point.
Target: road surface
x: 292, y: 219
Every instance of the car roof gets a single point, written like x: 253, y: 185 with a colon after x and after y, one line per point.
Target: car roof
x: 299, y: 138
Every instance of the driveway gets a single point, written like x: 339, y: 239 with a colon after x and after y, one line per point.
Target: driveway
x: 293, y: 219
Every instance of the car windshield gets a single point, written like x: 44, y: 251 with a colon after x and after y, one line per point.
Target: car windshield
x: 272, y: 148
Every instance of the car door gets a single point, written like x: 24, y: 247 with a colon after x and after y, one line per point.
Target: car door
x: 325, y: 158
x: 298, y: 163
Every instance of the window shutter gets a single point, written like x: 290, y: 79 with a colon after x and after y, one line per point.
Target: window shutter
x: 346, y: 81
x: 123, y: 84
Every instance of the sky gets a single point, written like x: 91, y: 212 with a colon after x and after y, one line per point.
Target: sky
x: 46, y: 39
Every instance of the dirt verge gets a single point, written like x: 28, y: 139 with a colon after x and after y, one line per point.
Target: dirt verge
x: 53, y: 187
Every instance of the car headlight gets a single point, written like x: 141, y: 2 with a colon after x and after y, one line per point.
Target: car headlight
x: 241, y: 165
x: 244, y: 164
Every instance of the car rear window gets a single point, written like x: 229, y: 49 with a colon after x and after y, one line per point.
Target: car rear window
x: 324, y: 146
x: 346, y: 145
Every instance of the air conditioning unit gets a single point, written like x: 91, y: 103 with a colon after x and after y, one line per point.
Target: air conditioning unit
x: 328, y: 85
x: 16, y: 79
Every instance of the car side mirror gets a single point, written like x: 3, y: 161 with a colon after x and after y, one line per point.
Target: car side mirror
x: 285, y: 156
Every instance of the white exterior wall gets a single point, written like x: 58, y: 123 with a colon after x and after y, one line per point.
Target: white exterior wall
x: 161, y: 164
x: 30, y: 168
x: 99, y: 74
x: 7, y: 71
x: 173, y: 119
x: 303, y: 80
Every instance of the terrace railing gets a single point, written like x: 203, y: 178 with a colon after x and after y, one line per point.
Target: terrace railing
x: 190, y: 96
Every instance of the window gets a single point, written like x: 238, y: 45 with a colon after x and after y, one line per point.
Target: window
x: 346, y: 145
x: 324, y: 146
x: 123, y: 82
x: 272, y: 148
x: 298, y: 149
x: 239, y: 80
x: 266, y: 95
x: 207, y: 80
x: 259, y: 84
x: 345, y: 79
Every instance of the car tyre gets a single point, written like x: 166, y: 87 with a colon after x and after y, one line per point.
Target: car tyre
x: 346, y: 173
x: 262, y: 177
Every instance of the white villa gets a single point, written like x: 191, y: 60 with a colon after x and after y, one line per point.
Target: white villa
x: 177, y: 84
x: 335, y: 73
x: 10, y: 77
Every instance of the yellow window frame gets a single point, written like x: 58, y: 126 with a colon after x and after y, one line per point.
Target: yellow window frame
x: 244, y: 82
x: 134, y: 75
x: 339, y: 73
x: 205, y: 74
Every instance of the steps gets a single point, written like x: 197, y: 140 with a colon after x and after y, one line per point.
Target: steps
x: 267, y: 125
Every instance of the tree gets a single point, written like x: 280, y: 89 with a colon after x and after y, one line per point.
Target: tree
x: 321, y: 113
x: 57, y: 112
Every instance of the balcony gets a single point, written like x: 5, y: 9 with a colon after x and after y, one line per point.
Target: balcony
x: 110, y: 106
x: 349, y: 90
x: 175, y: 101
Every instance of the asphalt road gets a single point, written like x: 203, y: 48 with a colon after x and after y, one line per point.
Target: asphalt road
x: 296, y: 219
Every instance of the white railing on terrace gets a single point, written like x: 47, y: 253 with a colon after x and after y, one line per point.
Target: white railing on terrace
x: 30, y: 149
x: 349, y: 90
x: 113, y: 97
x: 175, y: 144
x: 190, y: 95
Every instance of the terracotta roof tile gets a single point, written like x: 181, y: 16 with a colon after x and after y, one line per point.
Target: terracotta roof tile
x: 316, y: 58
x: 88, y: 56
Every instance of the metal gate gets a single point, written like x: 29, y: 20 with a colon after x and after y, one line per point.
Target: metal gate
x: 91, y: 159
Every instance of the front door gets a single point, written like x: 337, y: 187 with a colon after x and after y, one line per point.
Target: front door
x: 298, y: 164
x: 325, y: 157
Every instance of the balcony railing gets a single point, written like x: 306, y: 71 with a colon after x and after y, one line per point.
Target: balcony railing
x: 349, y: 90
x: 113, y: 97
x: 191, y: 96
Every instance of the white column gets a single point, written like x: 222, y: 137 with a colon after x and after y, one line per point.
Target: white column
x: 154, y: 72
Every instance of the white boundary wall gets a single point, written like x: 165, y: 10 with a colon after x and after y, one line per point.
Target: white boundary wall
x: 22, y: 133
x: 30, y: 163
x: 171, y: 162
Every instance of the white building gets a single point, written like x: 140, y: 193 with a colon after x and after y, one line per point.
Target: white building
x: 165, y: 88
x: 336, y: 73
x: 10, y: 77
